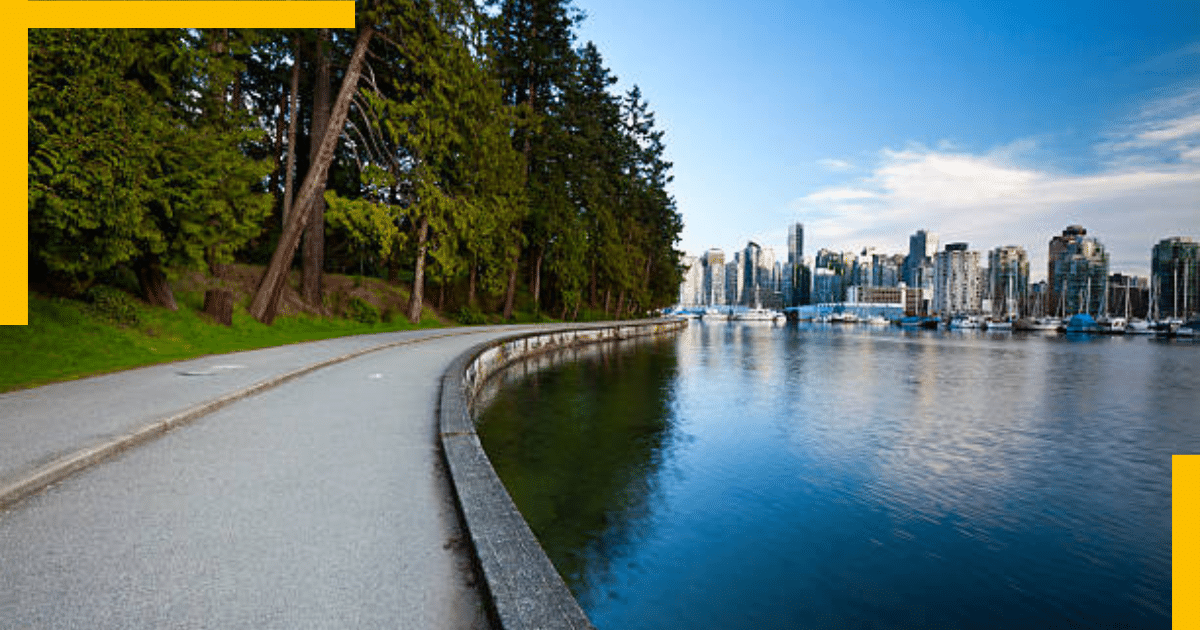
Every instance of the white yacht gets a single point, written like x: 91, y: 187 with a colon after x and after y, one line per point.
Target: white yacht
x: 965, y: 321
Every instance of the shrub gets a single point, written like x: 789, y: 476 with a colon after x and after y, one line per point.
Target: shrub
x: 361, y: 310
x: 112, y: 304
x: 470, y: 316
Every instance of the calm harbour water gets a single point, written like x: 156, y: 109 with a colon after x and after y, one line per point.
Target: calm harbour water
x: 818, y: 476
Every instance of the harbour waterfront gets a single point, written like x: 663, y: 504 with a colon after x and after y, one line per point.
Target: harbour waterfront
x: 765, y: 476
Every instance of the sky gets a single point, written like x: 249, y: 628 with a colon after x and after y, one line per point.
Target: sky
x: 985, y: 122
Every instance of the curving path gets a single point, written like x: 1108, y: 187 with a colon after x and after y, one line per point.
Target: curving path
x: 318, y: 502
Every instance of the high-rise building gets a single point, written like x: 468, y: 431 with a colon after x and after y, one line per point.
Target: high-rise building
x: 1128, y: 295
x: 827, y: 286
x: 1008, y: 279
x: 733, y: 279
x: 918, y: 265
x: 795, y: 243
x: 1078, y: 273
x: 751, y: 274
x: 887, y: 270
x: 690, y: 293
x: 714, y: 277
x: 958, y: 283
x: 830, y: 285
x: 1175, y: 276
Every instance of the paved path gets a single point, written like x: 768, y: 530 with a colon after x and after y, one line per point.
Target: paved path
x: 319, y: 503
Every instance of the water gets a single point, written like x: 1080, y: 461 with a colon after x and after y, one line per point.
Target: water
x: 757, y: 476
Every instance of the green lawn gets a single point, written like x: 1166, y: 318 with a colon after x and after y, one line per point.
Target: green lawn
x: 66, y: 339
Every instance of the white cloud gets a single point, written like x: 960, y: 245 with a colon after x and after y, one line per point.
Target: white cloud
x: 836, y: 165
x: 842, y: 194
x: 1169, y: 130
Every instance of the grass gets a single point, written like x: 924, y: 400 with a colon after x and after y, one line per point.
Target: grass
x: 66, y: 339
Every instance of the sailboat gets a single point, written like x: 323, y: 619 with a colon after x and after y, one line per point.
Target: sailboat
x: 1041, y: 322
x: 1083, y: 322
x: 1006, y: 321
x: 1142, y: 326
x: 758, y: 313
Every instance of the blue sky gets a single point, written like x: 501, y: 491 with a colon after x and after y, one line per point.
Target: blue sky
x: 988, y: 123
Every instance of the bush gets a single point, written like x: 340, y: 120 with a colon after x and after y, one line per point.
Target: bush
x: 113, y: 304
x: 361, y: 310
x: 470, y: 316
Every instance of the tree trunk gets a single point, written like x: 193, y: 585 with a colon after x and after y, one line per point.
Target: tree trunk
x: 537, y: 281
x: 314, y: 237
x: 418, y: 287
x: 607, y: 300
x: 153, y: 283
x: 471, y: 284
x: 592, y: 300
x: 265, y: 304
x: 510, y: 295
x: 219, y: 304
x: 621, y: 305
x: 293, y: 116
x: 277, y: 148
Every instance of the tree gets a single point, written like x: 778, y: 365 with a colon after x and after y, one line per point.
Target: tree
x: 265, y: 304
x: 535, y: 60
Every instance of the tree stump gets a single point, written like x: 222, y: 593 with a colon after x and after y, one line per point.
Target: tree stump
x: 219, y: 304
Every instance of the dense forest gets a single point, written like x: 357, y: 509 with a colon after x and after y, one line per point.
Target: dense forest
x: 469, y: 149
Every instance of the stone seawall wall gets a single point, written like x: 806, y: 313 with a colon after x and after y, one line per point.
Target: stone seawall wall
x: 522, y: 588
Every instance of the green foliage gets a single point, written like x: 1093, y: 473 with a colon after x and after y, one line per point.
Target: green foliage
x: 362, y: 311
x: 470, y: 316
x: 113, y: 305
x: 130, y: 158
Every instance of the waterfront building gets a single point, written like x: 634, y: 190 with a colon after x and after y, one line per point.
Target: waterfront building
x: 1078, y: 272
x: 1176, y: 277
x: 887, y: 270
x: 958, y: 282
x: 734, y: 279
x: 767, y: 271
x: 801, y: 283
x: 1008, y: 279
x: 862, y: 269
x: 916, y: 301
x: 1128, y: 293
x: 891, y: 296
x: 827, y: 286
x: 690, y: 290
x: 714, y: 277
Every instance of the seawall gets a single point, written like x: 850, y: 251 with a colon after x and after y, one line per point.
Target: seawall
x: 523, y: 590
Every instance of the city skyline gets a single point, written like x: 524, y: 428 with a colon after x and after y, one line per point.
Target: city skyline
x: 987, y: 124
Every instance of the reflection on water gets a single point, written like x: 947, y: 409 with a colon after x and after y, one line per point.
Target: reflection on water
x: 746, y: 476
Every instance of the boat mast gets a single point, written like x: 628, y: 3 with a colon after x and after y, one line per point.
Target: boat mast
x: 1127, y: 298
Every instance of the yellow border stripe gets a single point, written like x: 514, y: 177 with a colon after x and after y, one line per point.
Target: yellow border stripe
x: 14, y: 164
x: 14, y: 55
x: 189, y: 14
x: 1185, y: 541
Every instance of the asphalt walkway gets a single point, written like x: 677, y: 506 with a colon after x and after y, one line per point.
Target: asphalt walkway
x: 317, y: 502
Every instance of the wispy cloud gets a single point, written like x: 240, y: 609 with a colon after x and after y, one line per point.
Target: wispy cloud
x: 838, y: 166
x: 1004, y: 196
